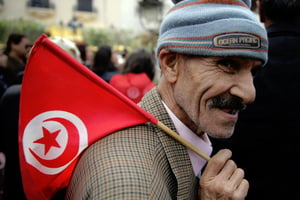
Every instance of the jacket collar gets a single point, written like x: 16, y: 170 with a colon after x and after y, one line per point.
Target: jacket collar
x: 175, y: 151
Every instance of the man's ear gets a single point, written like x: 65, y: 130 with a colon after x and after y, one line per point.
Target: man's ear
x: 169, y: 64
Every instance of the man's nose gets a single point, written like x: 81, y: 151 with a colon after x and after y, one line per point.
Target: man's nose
x: 244, y: 87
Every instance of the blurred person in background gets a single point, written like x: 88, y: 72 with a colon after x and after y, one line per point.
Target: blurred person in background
x: 105, y: 62
x: 67, y: 45
x: 17, y: 48
x: 3, y: 61
x: 86, y: 53
x: 12, y: 64
x: 137, y: 75
x: 266, y: 141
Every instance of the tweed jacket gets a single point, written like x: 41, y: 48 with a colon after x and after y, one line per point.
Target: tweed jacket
x: 140, y: 162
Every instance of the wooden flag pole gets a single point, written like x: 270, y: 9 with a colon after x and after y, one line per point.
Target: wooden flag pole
x: 182, y: 140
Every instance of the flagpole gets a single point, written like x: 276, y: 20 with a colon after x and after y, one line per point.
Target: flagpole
x: 182, y: 140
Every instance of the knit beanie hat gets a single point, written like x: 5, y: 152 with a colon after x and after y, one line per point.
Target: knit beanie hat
x: 213, y: 28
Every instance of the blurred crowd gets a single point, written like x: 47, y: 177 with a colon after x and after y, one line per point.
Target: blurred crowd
x: 105, y: 60
x: 133, y: 73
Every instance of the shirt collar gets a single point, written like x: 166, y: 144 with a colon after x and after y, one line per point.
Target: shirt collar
x: 201, y: 142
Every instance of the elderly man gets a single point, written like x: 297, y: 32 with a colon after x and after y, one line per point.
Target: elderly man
x: 208, y: 52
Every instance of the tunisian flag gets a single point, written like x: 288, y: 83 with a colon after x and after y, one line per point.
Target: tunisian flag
x: 64, y: 107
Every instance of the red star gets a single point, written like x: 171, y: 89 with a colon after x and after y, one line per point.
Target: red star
x: 49, y: 140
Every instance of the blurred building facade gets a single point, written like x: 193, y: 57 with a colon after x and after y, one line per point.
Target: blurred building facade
x: 75, y: 14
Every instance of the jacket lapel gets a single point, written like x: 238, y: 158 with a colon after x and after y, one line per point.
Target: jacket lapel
x: 176, y: 153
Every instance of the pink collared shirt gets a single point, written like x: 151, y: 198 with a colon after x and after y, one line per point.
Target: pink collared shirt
x: 201, y: 142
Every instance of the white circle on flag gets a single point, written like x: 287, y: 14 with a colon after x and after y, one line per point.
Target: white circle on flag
x: 52, y: 140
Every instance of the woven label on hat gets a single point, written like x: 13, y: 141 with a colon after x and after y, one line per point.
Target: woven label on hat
x: 237, y: 41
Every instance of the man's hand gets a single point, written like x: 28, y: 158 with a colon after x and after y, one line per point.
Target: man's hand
x: 222, y: 180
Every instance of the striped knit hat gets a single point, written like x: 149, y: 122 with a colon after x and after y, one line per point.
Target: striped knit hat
x: 213, y: 28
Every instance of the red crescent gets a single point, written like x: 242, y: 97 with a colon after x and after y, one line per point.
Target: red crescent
x: 71, y: 150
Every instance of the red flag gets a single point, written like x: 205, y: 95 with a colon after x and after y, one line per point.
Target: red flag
x: 64, y: 107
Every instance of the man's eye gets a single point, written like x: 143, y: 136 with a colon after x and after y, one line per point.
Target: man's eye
x: 227, y: 65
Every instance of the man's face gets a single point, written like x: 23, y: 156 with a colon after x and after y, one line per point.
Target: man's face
x: 212, y: 91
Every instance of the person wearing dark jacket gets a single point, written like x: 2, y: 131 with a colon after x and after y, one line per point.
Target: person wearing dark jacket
x: 266, y: 142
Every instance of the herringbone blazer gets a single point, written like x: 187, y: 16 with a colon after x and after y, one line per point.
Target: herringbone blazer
x: 140, y: 162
